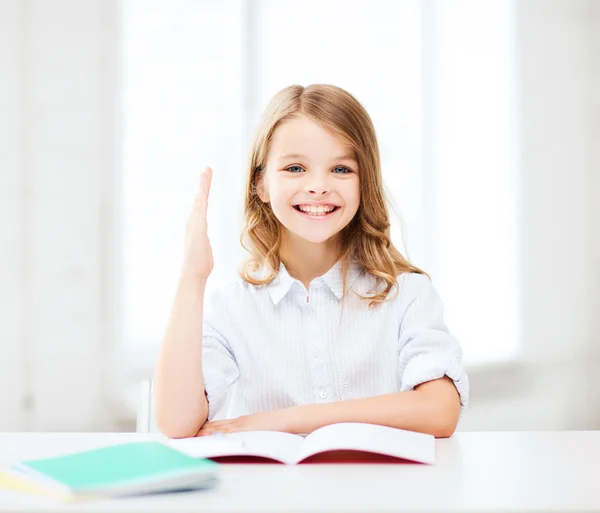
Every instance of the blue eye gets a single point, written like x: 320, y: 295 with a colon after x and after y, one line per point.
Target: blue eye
x: 339, y: 170
x: 344, y: 171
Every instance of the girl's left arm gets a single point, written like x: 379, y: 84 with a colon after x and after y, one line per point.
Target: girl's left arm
x: 432, y: 407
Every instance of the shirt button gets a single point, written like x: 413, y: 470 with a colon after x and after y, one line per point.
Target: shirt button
x: 322, y: 394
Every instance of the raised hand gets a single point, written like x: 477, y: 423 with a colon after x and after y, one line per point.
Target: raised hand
x: 198, y: 257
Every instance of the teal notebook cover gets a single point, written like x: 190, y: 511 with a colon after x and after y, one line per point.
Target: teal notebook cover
x: 139, y: 467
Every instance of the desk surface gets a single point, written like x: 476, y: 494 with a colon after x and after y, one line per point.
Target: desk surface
x: 474, y: 472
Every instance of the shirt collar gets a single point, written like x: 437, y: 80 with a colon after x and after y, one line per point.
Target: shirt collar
x: 281, y: 285
x: 283, y: 282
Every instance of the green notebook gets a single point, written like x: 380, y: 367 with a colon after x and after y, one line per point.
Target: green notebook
x: 118, y: 470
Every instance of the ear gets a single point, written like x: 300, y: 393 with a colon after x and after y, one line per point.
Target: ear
x: 261, y: 190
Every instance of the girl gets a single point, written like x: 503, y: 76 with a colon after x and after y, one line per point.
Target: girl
x: 328, y: 321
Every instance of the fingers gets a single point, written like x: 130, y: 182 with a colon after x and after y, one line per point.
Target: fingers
x: 219, y: 426
x: 201, y: 200
x: 210, y: 431
x: 205, y: 180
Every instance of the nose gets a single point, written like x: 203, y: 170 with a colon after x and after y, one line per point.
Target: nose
x: 317, y: 187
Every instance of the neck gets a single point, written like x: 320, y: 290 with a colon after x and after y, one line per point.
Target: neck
x: 307, y: 260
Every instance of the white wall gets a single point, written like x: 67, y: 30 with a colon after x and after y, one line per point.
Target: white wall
x: 12, y: 241
x: 58, y: 95
x: 593, y: 123
x: 556, y: 386
x: 58, y: 219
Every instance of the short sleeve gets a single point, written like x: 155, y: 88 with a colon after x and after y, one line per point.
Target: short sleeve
x: 426, y: 350
x: 219, y: 366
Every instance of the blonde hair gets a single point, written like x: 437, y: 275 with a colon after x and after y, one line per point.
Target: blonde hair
x: 366, y: 239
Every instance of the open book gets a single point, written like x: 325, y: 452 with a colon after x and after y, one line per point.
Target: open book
x: 339, y: 438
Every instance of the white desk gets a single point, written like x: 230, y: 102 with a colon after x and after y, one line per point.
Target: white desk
x: 491, y: 472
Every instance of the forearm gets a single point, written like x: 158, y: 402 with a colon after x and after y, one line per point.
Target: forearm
x: 432, y: 408
x: 181, y: 405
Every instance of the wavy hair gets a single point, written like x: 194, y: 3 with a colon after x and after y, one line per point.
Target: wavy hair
x: 366, y: 239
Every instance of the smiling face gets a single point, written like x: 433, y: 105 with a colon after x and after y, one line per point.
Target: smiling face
x: 310, y: 180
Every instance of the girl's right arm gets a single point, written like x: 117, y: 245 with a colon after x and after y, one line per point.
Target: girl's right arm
x: 181, y: 404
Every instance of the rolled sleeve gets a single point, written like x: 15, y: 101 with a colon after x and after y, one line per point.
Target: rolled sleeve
x: 219, y: 366
x: 426, y: 350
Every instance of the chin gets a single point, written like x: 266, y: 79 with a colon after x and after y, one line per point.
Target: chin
x: 315, y: 239
x: 312, y: 236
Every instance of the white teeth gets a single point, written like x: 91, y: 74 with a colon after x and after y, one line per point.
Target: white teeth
x: 316, y: 210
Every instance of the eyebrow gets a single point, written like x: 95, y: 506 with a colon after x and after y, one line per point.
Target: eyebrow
x: 300, y: 156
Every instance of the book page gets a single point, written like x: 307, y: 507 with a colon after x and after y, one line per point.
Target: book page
x: 384, y: 440
x: 282, y: 447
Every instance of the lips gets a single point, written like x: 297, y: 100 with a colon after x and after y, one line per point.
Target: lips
x: 312, y: 205
x: 316, y: 204
x: 316, y: 211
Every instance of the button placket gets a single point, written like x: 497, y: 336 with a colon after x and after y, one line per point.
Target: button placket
x: 317, y: 359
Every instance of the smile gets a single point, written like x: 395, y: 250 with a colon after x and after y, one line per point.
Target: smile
x: 316, y: 212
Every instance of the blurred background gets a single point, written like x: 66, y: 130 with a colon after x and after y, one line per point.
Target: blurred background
x: 488, y: 118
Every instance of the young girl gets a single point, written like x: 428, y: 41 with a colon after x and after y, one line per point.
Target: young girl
x: 328, y: 322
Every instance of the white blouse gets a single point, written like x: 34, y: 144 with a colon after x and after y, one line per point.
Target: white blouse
x: 281, y: 345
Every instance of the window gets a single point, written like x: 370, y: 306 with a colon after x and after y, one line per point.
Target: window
x: 472, y: 174
x: 197, y: 74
